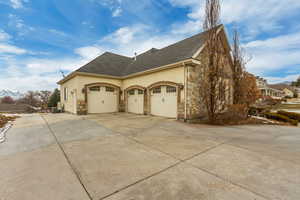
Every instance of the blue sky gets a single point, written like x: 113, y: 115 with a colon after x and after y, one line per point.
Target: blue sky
x: 40, y: 38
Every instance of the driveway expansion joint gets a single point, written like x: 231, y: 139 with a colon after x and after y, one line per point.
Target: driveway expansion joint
x: 67, y: 159
x: 183, y: 161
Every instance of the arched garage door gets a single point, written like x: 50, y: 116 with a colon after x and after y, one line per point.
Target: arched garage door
x: 164, y: 101
x: 135, y: 101
x: 102, y: 99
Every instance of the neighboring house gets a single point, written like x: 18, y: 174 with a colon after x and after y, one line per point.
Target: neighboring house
x: 288, y: 91
x: 268, y: 90
x: 297, y: 91
x: 162, y: 82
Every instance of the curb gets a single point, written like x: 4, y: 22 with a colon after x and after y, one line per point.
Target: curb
x: 3, y: 131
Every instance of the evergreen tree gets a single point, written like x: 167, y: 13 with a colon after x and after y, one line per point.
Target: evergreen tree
x: 54, y: 98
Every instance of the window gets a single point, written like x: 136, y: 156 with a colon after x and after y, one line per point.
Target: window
x: 140, y: 92
x: 109, y: 89
x: 171, y: 89
x: 131, y: 92
x: 95, y: 88
x: 156, y: 90
x: 65, y: 94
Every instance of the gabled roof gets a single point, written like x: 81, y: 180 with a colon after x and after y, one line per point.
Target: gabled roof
x: 115, y: 65
x: 108, y: 64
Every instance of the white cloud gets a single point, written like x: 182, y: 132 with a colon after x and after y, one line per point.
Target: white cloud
x: 4, y: 36
x: 256, y: 15
x: 18, y: 23
x: 36, y: 74
x: 137, y: 38
x: 89, y: 52
x: 289, y: 78
x: 276, y: 53
x: 117, y: 12
x: 113, y: 5
x: 16, y: 4
x: 125, y: 35
x: 10, y: 49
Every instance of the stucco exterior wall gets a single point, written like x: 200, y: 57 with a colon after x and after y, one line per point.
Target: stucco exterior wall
x: 72, y: 90
x: 174, y: 75
x: 84, y: 80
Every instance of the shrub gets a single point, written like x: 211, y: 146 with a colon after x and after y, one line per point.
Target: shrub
x: 291, y: 115
x: 233, y: 115
x: 282, y: 118
x: 7, y: 100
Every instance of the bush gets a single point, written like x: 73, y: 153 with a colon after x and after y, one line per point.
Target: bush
x: 233, y: 115
x: 281, y: 118
x: 7, y: 100
x: 258, y: 110
x: 291, y: 115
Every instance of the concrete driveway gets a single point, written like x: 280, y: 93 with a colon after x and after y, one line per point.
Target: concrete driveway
x: 131, y: 157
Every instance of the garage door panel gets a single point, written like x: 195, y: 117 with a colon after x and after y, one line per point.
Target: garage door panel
x: 102, y: 100
x: 136, y: 101
x: 164, y: 101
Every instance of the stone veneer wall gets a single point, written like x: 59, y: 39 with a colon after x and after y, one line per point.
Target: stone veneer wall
x: 195, y: 109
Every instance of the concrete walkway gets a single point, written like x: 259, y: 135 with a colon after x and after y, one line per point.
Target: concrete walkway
x: 125, y: 156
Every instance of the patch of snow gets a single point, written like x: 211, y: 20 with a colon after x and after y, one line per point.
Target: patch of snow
x: 3, y: 132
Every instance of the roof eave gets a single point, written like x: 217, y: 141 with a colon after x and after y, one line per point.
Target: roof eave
x: 76, y: 73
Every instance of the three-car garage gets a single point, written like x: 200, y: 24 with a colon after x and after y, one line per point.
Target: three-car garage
x: 158, y: 99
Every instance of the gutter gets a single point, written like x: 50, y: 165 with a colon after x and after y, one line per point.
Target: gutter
x: 190, y: 61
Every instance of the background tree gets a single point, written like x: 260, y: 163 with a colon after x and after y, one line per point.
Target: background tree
x: 296, y: 83
x: 213, y: 85
x: 238, y: 70
x: 44, y: 97
x: 7, y: 100
x: 245, y: 89
x: 31, y: 98
x: 54, y: 98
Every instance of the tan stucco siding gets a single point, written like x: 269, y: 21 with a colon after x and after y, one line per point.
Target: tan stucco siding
x: 72, y: 89
x: 174, y: 75
x: 83, y: 80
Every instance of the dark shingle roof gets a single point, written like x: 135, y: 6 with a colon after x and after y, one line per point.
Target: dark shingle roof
x: 280, y: 86
x: 117, y: 65
x: 108, y: 64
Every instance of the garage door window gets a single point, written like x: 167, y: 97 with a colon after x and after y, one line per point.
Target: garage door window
x: 157, y: 90
x: 140, y: 92
x: 95, y: 88
x: 109, y: 89
x: 131, y: 92
x: 171, y: 89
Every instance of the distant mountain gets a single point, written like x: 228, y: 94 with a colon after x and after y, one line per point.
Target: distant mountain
x: 287, y: 82
x: 12, y: 94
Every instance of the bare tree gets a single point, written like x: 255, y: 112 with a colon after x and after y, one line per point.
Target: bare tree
x: 44, y: 96
x: 31, y: 98
x: 238, y: 69
x: 245, y: 90
x: 214, y: 84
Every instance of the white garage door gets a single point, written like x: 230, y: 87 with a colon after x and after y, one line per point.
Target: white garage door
x: 136, y: 101
x: 164, y: 101
x: 102, y: 100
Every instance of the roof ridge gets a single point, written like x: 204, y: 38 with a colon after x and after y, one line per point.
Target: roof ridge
x: 109, y: 52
